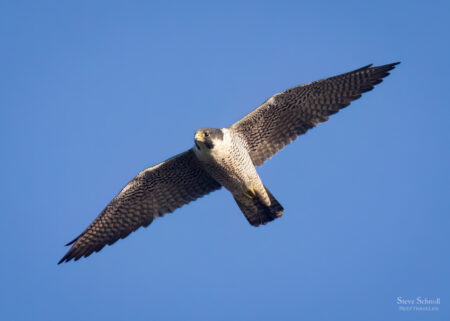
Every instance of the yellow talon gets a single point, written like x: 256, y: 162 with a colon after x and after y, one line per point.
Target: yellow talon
x: 250, y: 193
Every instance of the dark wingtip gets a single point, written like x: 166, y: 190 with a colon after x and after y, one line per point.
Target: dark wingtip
x: 386, y: 67
x: 69, y: 254
x: 363, y: 68
x: 394, y: 64
x: 64, y: 259
x: 73, y: 241
x: 389, y: 66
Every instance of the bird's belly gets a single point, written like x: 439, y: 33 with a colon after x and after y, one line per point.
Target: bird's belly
x: 230, y: 164
x: 236, y: 174
x: 230, y: 179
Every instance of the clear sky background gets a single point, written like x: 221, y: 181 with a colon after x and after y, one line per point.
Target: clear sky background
x: 92, y: 92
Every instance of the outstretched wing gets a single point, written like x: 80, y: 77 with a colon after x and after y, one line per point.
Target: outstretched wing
x: 152, y: 193
x: 286, y: 115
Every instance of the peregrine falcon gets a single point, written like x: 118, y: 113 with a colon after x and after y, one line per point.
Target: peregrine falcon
x: 226, y: 157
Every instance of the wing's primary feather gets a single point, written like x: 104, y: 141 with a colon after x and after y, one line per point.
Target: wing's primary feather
x: 153, y: 192
x: 286, y: 115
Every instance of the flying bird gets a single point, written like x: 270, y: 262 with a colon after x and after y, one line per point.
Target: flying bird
x: 226, y: 157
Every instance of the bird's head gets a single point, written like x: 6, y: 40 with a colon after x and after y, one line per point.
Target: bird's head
x: 207, y: 138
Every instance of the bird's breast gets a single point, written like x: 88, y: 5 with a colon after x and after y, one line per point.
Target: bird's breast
x: 230, y: 164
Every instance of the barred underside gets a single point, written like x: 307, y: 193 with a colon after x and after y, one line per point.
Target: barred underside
x: 252, y: 140
x: 152, y: 193
x: 285, y: 116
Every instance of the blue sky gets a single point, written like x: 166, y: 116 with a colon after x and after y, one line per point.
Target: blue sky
x: 91, y: 93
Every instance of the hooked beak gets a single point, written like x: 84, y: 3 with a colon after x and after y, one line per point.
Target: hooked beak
x: 199, y: 136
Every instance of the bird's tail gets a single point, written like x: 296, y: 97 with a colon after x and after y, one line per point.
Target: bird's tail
x: 256, y: 211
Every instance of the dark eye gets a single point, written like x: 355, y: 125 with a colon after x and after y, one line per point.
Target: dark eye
x: 206, y: 134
